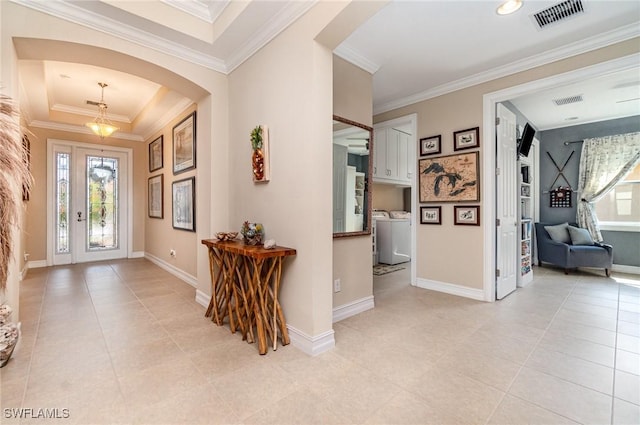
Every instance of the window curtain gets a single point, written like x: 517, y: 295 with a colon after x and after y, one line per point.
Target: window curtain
x: 603, y: 163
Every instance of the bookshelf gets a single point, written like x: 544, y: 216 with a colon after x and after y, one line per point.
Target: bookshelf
x: 526, y: 222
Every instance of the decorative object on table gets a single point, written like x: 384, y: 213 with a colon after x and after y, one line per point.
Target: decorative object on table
x: 252, y: 233
x: 184, y: 204
x: 156, y: 154
x: 260, y: 154
x: 184, y: 144
x: 430, y: 145
x: 269, y: 244
x: 467, y: 215
x: 9, y: 334
x: 466, y: 139
x: 13, y: 173
x: 451, y: 178
x: 430, y: 215
x: 226, y: 236
x: 560, y: 197
x: 156, y: 196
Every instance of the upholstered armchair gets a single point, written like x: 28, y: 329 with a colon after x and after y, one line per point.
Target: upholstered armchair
x: 569, y: 247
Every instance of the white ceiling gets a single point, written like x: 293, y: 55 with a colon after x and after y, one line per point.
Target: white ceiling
x: 415, y: 49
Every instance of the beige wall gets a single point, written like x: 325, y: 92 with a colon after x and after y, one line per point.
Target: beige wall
x: 388, y: 197
x: 438, y: 247
x: 352, y: 260
x: 160, y: 236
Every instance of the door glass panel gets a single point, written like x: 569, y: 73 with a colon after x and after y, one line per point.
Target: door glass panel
x: 102, y: 208
x: 62, y: 202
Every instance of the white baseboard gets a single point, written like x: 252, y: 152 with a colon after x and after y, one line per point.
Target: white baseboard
x: 180, y: 274
x: 351, y: 309
x: 202, y: 298
x: 451, y: 288
x: 36, y: 264
x: 311, y: 345
x: 137, y: 254
x: 626, y: 269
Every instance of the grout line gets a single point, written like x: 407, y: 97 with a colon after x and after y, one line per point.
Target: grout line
x: 615, y: 359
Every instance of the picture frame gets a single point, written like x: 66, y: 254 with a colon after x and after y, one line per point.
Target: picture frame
x: 184, y: 144
x: 466, y: 139
x: 26, y: 157
x: 431, y: 215
x: 156, y: 154
x: 184, y: 204
x: 449, y: 178
x: 155, y: 196
x: 466, y: 215
x: 430, y: 145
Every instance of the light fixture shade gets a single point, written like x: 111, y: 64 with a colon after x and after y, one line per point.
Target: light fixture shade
x: 509, y: 6
x: 101, y: 125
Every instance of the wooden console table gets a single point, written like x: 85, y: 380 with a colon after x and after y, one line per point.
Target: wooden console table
x: 245, y: 280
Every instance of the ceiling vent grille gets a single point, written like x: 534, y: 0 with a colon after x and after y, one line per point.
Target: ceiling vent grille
x: 558, y: 13
x: 568, y: 100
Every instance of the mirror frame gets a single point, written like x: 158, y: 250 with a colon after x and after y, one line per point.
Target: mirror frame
x: 368, y: 184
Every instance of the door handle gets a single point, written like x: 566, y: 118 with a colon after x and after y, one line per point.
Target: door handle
x: 80, y: 216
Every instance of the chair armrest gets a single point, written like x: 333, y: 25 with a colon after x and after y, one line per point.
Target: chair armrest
x: 604, y: 245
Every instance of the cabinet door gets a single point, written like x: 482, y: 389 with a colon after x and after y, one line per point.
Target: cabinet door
x: 404, y: 155
x: 379, y: 153
x: 393, y: 154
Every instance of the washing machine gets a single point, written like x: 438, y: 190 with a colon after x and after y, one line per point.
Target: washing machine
x: 393, y: 237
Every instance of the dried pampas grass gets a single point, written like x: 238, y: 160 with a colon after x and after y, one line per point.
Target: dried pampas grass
x: 14, y: 173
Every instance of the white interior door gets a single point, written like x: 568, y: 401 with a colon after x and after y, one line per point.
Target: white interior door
x: 89, y: 220
x: 507, y: 203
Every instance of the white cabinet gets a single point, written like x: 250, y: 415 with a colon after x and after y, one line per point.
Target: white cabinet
x: 392, y: 156
x: 354, y: 198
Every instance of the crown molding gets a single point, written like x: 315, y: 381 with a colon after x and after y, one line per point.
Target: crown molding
x: 48, y: 125
x: 200, y: 9
x: 350, y: 55
x: 67, y: 11
x: 167, y: 117
x: 87, y: 113
x: 288, y: 15
x: 588, y: 44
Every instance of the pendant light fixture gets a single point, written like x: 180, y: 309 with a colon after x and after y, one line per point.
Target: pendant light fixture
x: 101, y: 125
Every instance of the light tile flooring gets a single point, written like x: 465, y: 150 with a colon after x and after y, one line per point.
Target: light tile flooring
x: 124, y: 342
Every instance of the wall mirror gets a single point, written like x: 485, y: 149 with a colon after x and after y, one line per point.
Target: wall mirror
x: 352, y: 145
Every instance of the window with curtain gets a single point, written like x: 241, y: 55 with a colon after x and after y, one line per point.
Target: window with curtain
x: 622, y: 204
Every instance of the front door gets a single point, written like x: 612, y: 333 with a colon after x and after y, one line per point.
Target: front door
x: 90, y: 218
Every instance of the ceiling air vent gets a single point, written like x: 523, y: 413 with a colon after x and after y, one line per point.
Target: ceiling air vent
x: 558, y: 12
x: 568, y: 100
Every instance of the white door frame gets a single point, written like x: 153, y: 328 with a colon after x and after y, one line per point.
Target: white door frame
x: 51, y: 148
x: 489, y: 154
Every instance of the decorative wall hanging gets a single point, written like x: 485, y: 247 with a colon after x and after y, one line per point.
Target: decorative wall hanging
x: 466, y: 139
x: 430, y: 215
x: 156, y: 196
x: 184, y: 144
x: 156, y: 156
x: 467, y: 215
x: 184, y: 204
x: 430, y: 145
x: 260, y: 154
x: 560, y: 169
x: 26, y: 156
x: 560, y: 197
x: 452, y: 178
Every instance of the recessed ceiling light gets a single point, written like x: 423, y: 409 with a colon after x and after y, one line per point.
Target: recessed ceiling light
x: 509, y: 7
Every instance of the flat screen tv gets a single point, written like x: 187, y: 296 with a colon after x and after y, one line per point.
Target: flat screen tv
x: 524, y: 144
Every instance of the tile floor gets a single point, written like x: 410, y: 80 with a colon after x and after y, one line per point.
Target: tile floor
x: 125, y: 343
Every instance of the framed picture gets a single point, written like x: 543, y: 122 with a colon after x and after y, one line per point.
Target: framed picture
x: 184, y: 144
x: 451, y: 178
x: 467, y: 215
x: 156, y: 196
x: 184, y: 204
x: 466, y: 139
x: 156, y: 158
x: 430, y: 215
x: 430, y: 145
x: 26, y: 157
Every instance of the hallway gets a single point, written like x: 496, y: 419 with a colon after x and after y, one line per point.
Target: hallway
x: 125, y: 342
